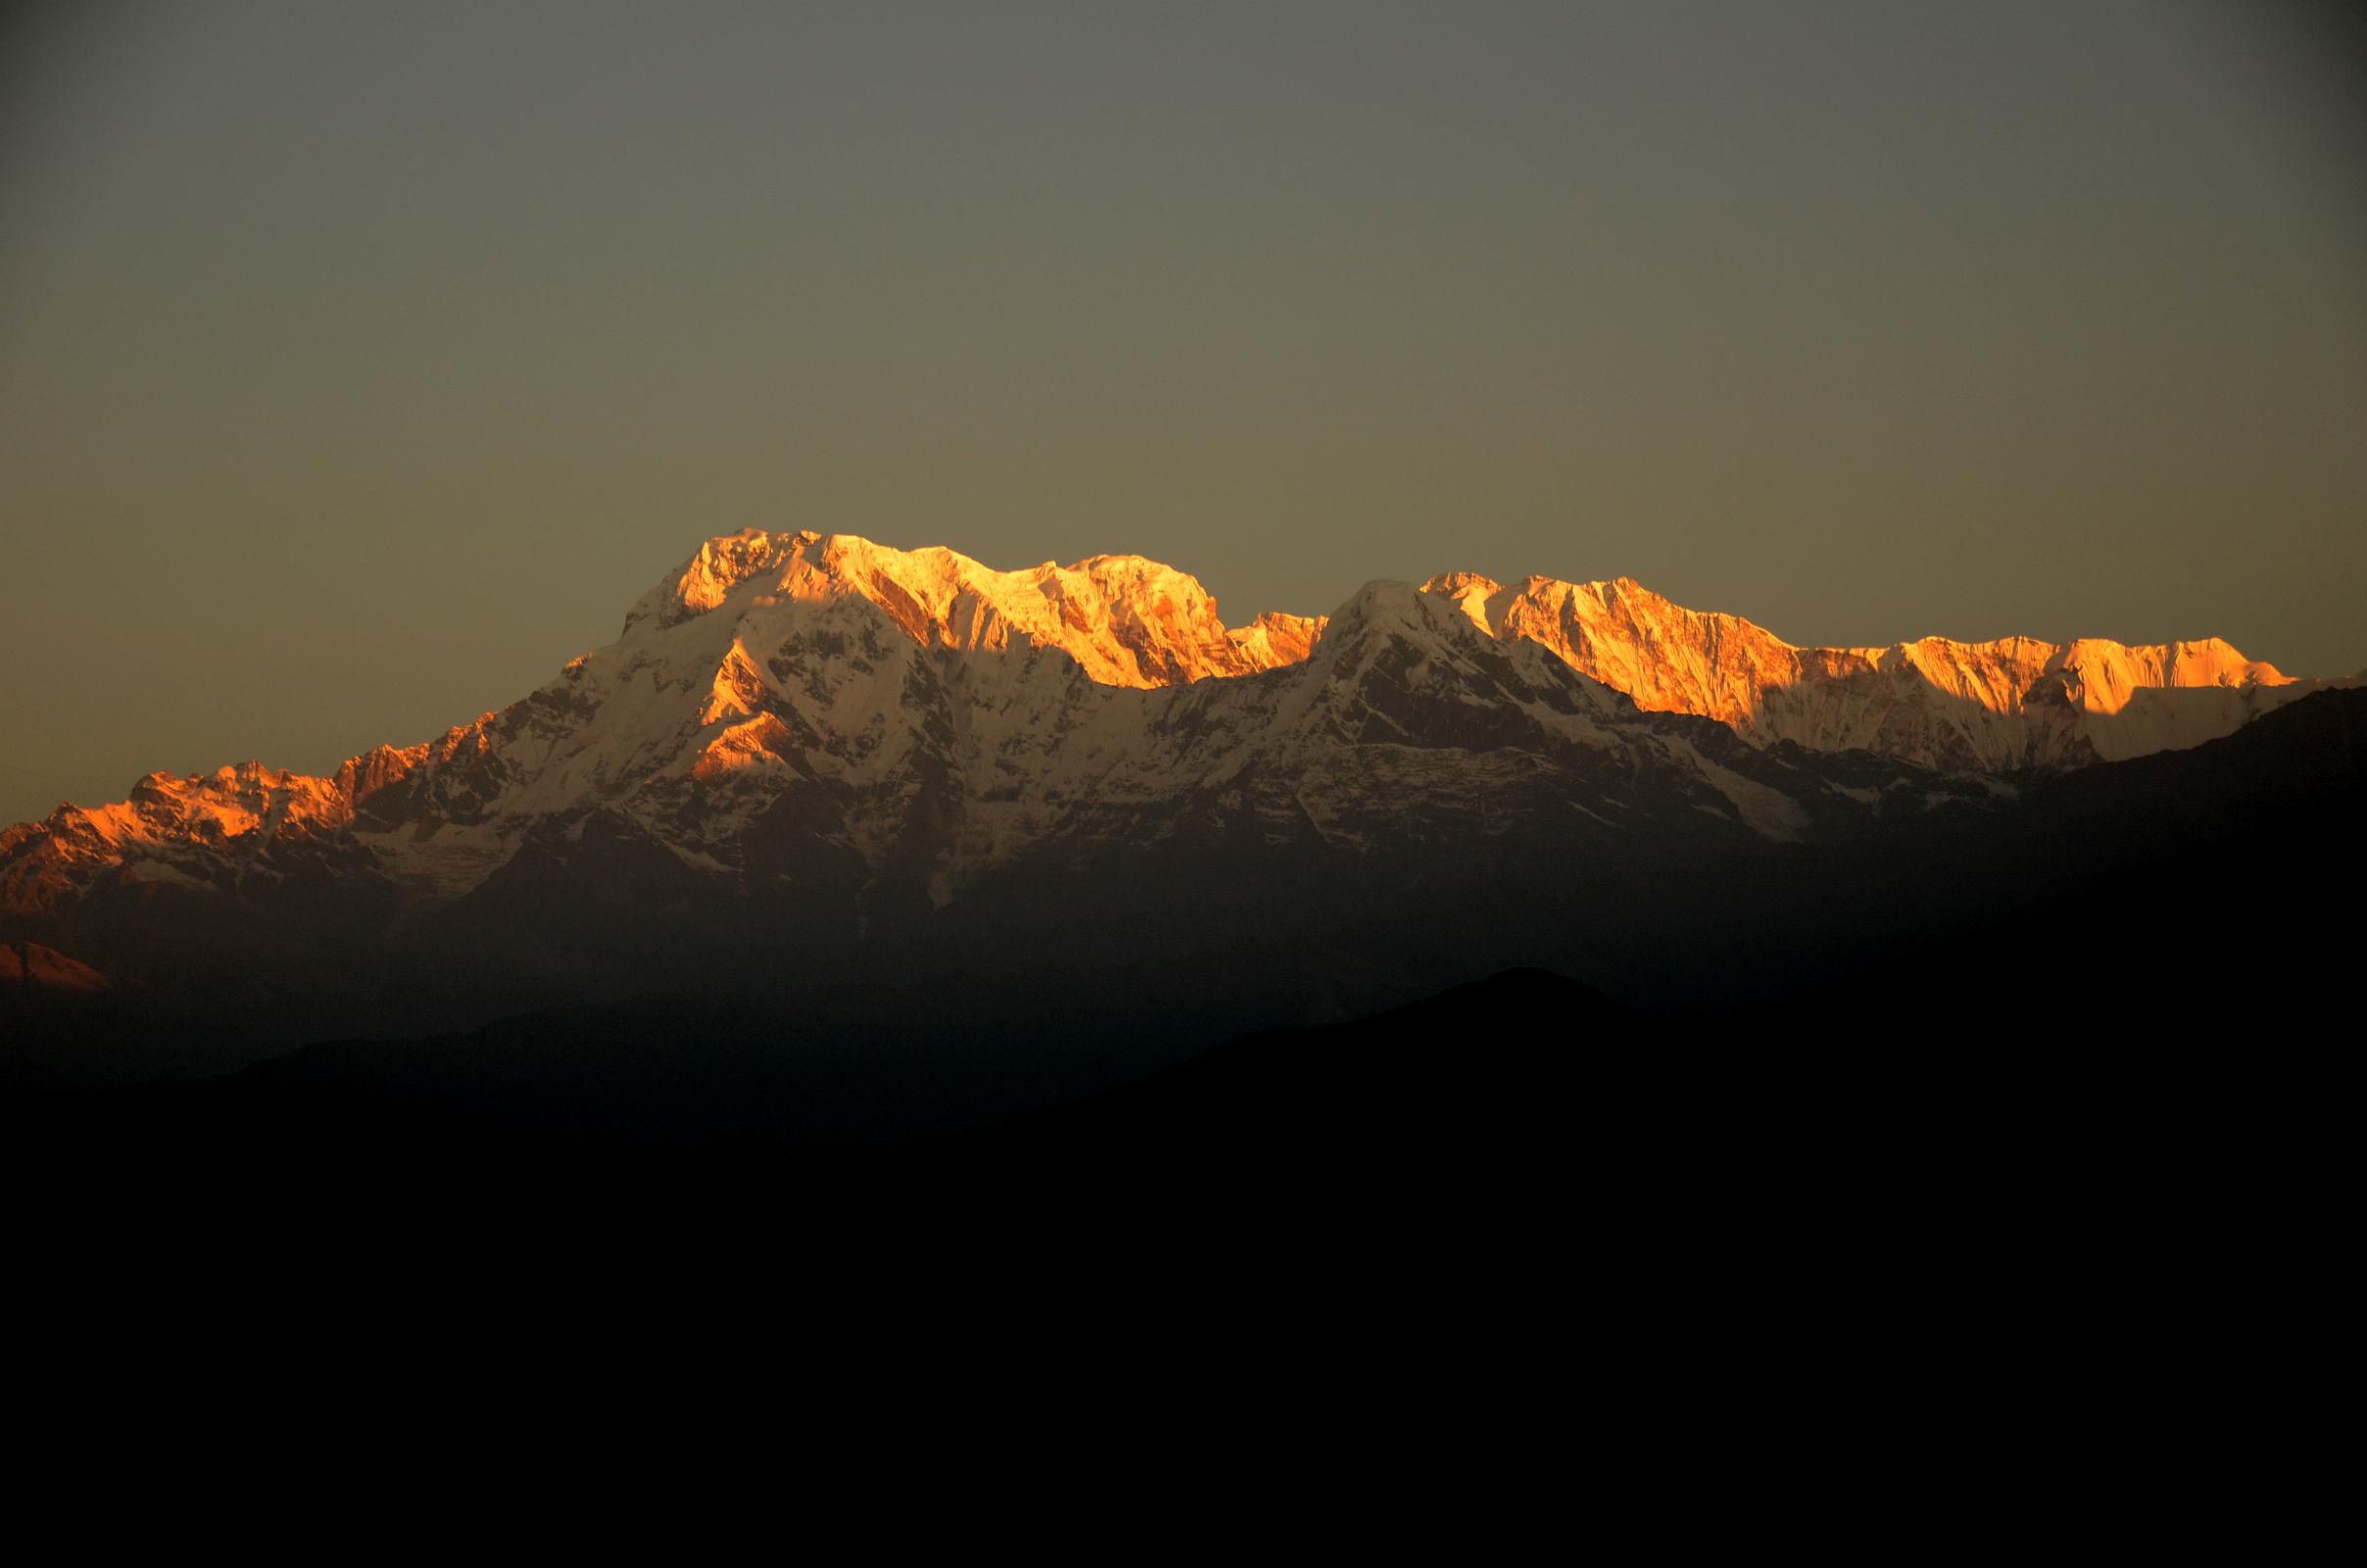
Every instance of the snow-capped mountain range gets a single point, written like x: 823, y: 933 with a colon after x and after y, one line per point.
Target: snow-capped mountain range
x: 796, y: 707
x: 2002, y: 705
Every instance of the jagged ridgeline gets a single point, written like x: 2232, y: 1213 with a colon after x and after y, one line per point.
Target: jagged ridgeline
x: 814, y: 751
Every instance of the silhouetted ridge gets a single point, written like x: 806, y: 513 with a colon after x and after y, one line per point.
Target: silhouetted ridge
x: 1480, y: 1074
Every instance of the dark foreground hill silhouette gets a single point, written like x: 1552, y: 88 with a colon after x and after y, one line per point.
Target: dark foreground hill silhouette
x: 1508, y: 1109
x: 1515, y: 1197
x: 1430, y: 1238
x: 681, y: 1092
x: 1492, y: 1073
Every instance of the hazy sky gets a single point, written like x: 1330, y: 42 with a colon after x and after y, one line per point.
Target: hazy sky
x: 361, y: 364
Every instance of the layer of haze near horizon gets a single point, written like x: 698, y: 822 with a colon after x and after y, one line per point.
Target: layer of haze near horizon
x: 359, y: 365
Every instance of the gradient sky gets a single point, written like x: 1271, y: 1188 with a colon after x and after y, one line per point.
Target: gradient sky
x: 359, y: 365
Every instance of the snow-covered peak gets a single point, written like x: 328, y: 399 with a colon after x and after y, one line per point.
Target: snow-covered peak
x: 1127, y: 620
